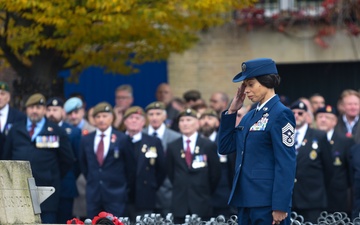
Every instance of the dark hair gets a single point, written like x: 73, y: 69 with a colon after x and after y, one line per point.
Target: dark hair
x: 269, y: 81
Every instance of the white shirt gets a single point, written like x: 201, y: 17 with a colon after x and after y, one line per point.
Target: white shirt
x: 192, y: 144
x: 212, y: 137
x: 350, y: 126
x: 329, y: 134
x: 159, y: 132
x: 106, y: 140
x: 137, y: 137
x: 301, y: 134
x: 4, y: 115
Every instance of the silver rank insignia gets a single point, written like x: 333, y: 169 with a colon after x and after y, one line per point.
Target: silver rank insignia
x: 288, y: 135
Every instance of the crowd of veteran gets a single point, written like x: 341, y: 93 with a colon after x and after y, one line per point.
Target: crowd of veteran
x: 176, y: 155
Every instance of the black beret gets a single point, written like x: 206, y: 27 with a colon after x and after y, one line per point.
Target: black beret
x: 298, y: 105
x: 327, y: 109
x: 4, y: 86
x: 55, y: 101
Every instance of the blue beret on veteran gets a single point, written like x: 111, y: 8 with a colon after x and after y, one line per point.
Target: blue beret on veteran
x: 327, y: 109
x: 102, y: 107
x: 298, y: 105
x: 133, y: 110
x: 155, y: 105
x: 72, y: 104
x: 55, y: 101
x: 35, y: 99
x: 188, y: 112
x: 255, y: 68
x: 4, y: 86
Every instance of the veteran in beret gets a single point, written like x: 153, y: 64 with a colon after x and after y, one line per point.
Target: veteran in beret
x: 339, y: 189
x: 193, y: 169
x: 8, y: 114
x: 55, y: 113
x: 314, y: 167
x: 107, y: 163
x: 156, y: 115
x: 264, y: 143
x: 75, y: 115
x: 46, y: 146
x: 149, y: 162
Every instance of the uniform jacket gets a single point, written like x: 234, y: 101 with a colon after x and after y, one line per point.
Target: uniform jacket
x: 150, y: 171
x: 193, y: 187
x: 68, y: 183
x: 110, y: 182
x: 338, y: 193
x: 355, y: 177
x: 314, y: 171
x: 164, y: 194
x: 48, y: 164
x: 266, y: 160
x: 13, y: 116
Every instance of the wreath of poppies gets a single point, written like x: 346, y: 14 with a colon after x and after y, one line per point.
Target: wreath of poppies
x: 103, y: 218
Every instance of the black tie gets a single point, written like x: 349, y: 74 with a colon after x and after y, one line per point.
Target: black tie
x: 154, y: 134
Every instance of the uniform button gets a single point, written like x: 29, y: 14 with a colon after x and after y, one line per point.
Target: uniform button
x: 145, y: 182
x: 100, y: 170
x: 101, y: 182
x: 147, y: 168
x: 295, y: 180
x: 242, y: 153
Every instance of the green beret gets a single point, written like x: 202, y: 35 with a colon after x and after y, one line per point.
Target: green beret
x: 134, y: 110
x: 155, y: 105
x: 36, y: 99
x: 188, y: 112
x: 102, y: 107
x: 209, y: 112
x: 4, y: 86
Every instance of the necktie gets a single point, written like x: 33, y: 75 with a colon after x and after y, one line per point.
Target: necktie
x: 188, y: 155
x: 296, y: 139
x: 154, y: 134
x: 100, y: 150
x: 32, y: 129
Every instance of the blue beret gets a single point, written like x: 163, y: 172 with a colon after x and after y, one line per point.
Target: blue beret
x: 255, y: 68
x: 298, y: 105
x: 55, y: 101
x: 327, y: 109
x: 72, y: 104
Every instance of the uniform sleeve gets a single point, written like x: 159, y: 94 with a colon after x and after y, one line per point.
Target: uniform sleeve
x: 82, y: 157
x: 326, y: 159
x: 214, y: 166
x: 282, y: 135
x: 170, y: 163
x: 160, y: 163
x: 66, y: 155
x: 227, y: 138
x: 7, y: 154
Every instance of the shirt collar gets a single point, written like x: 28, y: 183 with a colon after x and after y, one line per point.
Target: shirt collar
x: 4, y: 110
x: 192, y: 138
x: 160, y: 131
x: 107, y: 132
x: 137, y: 137
x: 38, y: 124
x: 262, y: 105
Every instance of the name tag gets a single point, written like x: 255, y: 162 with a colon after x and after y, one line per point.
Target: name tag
x: 50, y: 141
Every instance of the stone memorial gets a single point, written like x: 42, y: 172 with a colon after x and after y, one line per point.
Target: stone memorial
x: 20, y: 198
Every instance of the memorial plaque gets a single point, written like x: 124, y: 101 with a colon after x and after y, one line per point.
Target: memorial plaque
x: 16, y: 205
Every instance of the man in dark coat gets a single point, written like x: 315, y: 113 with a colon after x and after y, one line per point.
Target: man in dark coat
x: 149, y: 159
x: 46, y: 146
x: 8, y: 115
x: 193, y: 168
x: 314, y: 167
x: 339, y: 189
x: 107, y: 164
x: 55, y: 113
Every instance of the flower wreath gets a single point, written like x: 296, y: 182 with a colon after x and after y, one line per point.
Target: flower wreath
x: 103, y: 218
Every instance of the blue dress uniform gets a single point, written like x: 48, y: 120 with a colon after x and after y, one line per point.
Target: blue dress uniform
x: 266, y: 135
x: 48, y: 162
x: 264, y: 143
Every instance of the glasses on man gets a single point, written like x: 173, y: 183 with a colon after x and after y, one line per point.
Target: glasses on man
x: 299, y: 113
